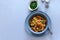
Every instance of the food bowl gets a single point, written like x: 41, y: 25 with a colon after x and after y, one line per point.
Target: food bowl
x: 33, y: 5
x: 41, y: 14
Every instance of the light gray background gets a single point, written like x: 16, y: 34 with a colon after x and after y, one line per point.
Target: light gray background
x: 13, y: 14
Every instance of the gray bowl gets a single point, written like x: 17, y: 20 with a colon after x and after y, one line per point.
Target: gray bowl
x: 27, y: 26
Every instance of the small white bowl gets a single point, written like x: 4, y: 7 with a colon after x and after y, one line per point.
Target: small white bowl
x: 30, y: 3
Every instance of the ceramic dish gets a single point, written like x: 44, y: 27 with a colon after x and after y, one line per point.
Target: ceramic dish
x: 34, y: 5
x: 37, y: 13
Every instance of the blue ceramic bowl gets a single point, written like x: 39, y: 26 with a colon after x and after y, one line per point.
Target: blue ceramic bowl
x: 37, y: 13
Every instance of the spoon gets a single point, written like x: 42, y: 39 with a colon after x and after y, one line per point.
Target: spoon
x: 50, y: 31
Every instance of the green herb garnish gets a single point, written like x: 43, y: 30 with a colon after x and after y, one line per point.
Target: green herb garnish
x: 42, y: 21
x: 33, y: 5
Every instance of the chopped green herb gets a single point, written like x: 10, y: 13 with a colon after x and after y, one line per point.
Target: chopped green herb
x: 42, y: 21
x: 33, y: 5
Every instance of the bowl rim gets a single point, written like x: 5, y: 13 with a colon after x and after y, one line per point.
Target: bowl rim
x: 33, y: 13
